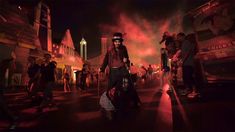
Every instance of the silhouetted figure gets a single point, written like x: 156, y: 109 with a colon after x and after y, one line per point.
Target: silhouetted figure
x: 4, y: 66
x: 83, y: 77
x: 66, y: 79
x: 34, y: 76
x: 169, y: 50
x: 150, y: 72
x: 48, y: 70
x: 187, y: 60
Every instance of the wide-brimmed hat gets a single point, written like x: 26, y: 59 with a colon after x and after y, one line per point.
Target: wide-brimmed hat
x: 117, y: 36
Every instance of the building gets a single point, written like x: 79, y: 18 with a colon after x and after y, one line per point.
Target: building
x: 27, y: 32
x: 96, y: 62
x: 17, y: 35
x: 66, y: 57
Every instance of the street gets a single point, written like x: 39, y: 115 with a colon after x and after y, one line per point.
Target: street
x: 160, y: 110
x: 57, y: 58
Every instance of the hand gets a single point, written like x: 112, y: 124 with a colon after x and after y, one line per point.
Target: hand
x: 99, y: 70
x: 13, y: 55
x: 125, y: 60
x: 180, y: 63
x: 175, y: 58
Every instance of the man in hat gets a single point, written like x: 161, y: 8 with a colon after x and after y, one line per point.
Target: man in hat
x: 117, y: 59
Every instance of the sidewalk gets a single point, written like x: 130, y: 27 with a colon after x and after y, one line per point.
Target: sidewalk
x: 213, y: 111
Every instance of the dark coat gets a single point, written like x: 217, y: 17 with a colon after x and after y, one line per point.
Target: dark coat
x: 109, y: 55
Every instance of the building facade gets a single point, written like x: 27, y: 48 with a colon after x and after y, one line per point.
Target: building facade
x: 66, y: 57
x: 19, y: 36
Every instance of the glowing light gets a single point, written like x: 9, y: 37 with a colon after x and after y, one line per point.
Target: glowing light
x: 74, y: 75
x: 165, y: 111
x: 143, y: 36
x: 19, y: 7
x: 83, y: 41
x: 71, y: 58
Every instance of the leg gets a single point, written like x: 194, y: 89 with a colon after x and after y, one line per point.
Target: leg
x: 65, y: 85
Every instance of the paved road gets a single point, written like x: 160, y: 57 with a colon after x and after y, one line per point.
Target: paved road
x: 160, y: 112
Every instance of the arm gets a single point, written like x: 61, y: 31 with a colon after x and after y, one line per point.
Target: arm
x: 105, y: 62
x: 126, y: 58
x: 176, y: 55
x: 163, y: 39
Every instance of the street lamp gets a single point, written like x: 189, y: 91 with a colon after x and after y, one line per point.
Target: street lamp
x: 83, y: 44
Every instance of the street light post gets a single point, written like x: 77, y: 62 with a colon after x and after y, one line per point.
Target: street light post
x: 83, y: 45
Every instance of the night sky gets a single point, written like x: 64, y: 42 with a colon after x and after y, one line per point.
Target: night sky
x: 143, y: 21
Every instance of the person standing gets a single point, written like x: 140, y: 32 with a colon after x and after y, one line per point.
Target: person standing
x: 117, y: 60
x: 34, y: 75
x: 187, y: 60
x: 143, y: 74
x: 48, y: 72
x: 150, y: 72
x: 83, y: 77
x: 4, y: 65
x: 66, y: 79
x: 168, y: 49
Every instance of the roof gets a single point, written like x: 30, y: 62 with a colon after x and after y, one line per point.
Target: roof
x: 67, y: 39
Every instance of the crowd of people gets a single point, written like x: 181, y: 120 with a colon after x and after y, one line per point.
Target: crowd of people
x: 178, y: 53
x: 42, y: 78
x: 123, y: 75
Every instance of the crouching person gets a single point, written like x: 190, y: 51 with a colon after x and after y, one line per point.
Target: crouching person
x: 106, y: 103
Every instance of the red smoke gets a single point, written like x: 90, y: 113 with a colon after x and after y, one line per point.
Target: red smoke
x: 142, y: 36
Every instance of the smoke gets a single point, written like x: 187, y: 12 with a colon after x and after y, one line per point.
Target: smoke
x: 142, y: 35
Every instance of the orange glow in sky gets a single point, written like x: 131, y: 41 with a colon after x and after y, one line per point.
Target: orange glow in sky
x: 142, y: 36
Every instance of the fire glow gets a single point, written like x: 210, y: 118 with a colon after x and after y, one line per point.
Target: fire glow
x: 142, y: 36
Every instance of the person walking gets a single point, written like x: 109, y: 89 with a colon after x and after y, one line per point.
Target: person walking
x: 48, y: 77
x: 83, y: 77
x: 34, y: 76
x: 66, y: 79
